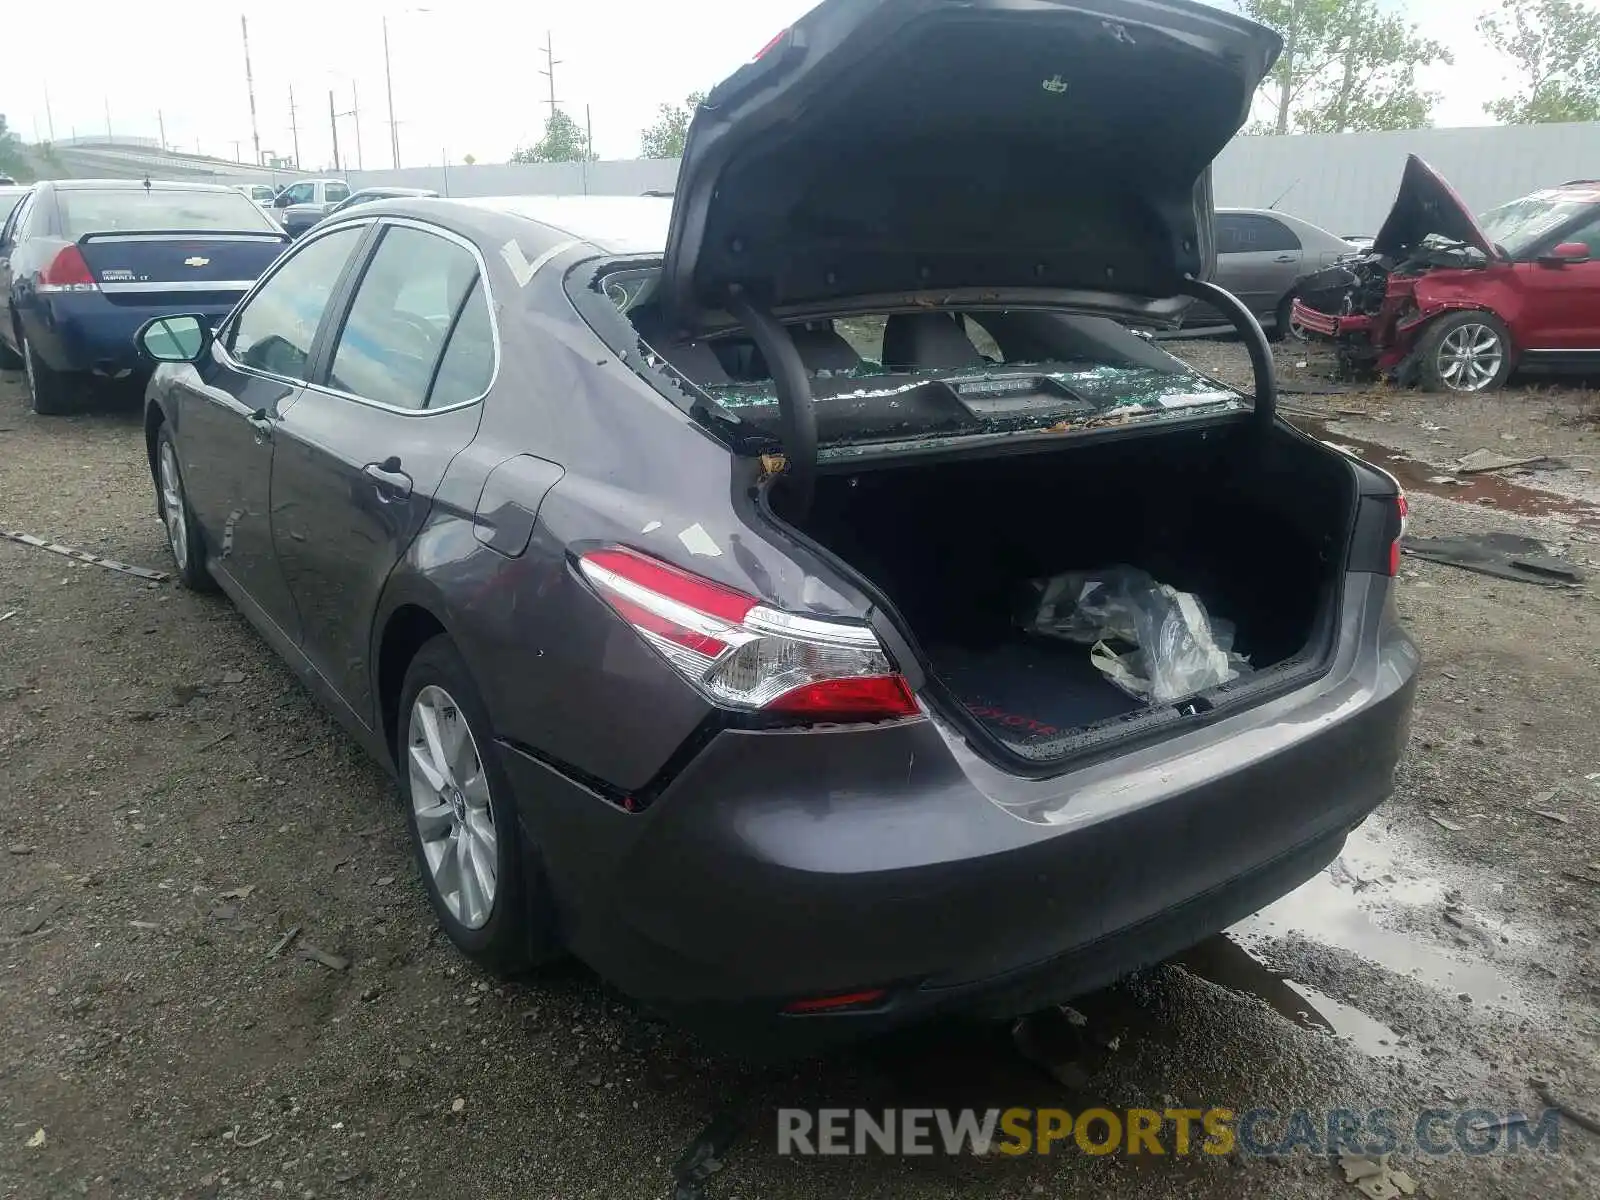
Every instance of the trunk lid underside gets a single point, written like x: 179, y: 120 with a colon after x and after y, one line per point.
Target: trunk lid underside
x: 872, y: 148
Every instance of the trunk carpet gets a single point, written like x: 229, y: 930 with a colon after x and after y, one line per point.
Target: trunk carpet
x: 1030, y: 688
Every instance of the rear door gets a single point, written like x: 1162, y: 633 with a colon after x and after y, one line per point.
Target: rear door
x: 359, y: 458
x: 226, y: 411
x: 1258, y: 259
x: 1561, y: 302
x: 8, y: 244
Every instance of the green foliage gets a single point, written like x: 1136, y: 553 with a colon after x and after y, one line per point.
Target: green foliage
x: 664, y: 138
x: 1555, y: 45
x: 1346, y: 68
x: 12, y: 161
x: 563, y: 141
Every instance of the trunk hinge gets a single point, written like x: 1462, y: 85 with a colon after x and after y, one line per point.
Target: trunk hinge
x: 793, y: 386
x: 1255, y: 341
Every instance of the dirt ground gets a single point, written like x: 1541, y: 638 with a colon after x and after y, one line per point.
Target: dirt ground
x: 172, y: 803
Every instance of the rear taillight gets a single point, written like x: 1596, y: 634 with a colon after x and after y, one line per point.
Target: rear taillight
x: 740, y: 654
x: 1403, y: 510
x: 67, y: 272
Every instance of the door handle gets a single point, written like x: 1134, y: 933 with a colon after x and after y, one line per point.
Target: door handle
x: 1284, y: 258
x: 261, y: 422
x: 392, y: 482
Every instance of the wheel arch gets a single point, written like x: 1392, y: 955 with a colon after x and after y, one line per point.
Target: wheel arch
x: 407, y: 626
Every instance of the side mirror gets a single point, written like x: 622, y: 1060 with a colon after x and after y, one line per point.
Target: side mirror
x: 174, y: 339
x: 281, y: 200
x: 1565, y: 254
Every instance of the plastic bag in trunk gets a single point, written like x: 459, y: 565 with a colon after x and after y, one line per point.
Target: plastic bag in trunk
x: 1178, y: 648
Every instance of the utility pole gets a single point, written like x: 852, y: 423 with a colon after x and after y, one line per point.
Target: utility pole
x: 333, y: 123
x: 161, y: 123
x: 49, y: 117
x: 294, y: 127
x: 250, y: 85
x: 388, y: 82
x: 355, y: 115
x: 552, y: 62
x: 108, y: 118
x: 588, y: 146
x: 236, y: 144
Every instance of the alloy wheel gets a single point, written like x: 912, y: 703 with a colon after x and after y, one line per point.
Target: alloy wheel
x: 450, y: 801
x: 172, y: 509
x: 1469, y: 357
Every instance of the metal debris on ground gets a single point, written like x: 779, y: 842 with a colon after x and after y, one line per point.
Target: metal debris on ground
x: 283, y: 942
x: 334, y: 962
x: 1488, y: 460
x: 6, y: 616
x: 1445, y: 823
x: 38, y: 1139
x: 216, y: 741
x: 1583, y: 1120
x: 238, y: 893
x: 233, y: 677
x: 83, y: 556
x: 1502, y: 555
x: 232, y: 1135
x: 703, y: 1157
x: 1373, y: 1175
x: 19, y: 849
x: 1549, y: 815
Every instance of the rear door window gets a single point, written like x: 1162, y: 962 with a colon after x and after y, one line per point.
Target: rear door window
x: 414, y: 292
x: 276, y: 328
x: 19, y: 219
x: 1251, y: 233
x: 94, y: 210
x: 337, y: 192
x: 468, y: 363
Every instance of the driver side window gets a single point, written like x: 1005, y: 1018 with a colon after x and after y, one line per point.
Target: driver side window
x: 1589, y: 235
x: 275, y: 329
x: 301, y: 193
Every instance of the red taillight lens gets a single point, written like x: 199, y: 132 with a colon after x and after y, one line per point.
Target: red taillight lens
x: 818, y: 1004
x: 741, y: 654
x: 67, y: 272
x: 770, y: 46
x: 1404, y: 511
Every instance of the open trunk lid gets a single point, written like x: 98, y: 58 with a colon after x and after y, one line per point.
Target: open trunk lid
x: 880, y: 147
x: 161, y: 266
x: 1428, y: 206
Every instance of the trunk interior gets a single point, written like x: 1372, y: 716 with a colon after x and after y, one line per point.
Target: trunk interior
x: 1255, y: 527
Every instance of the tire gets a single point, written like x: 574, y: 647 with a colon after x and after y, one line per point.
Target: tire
x: 1466, y: 352
x: 50, y: 392
x: 183, y: 531
x: 1280, y: 319
x: 507, y: 926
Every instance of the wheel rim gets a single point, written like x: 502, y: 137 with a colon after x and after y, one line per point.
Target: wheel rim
x: 450, y: 800
x: 172, y: 509
x: 1470, y: 357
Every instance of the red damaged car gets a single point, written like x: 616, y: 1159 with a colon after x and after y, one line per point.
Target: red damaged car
x: 1455, y: 303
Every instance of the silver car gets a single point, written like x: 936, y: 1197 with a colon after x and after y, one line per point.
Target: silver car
x: 1260, y: 254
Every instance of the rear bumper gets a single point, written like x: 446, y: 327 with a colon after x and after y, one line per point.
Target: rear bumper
x: 87, y: 332
x: 790, y: 865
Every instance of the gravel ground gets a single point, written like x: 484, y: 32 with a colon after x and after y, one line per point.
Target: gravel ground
x: 174, y: 802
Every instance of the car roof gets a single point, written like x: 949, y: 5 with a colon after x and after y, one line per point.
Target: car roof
x: 1299, y: 224
x: 612, y: 224
x: 396, y: 193
x: 135, y: 185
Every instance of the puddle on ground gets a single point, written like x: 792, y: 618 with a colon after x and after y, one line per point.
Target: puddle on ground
x: 1490, y: 490
x: 1372, y: 874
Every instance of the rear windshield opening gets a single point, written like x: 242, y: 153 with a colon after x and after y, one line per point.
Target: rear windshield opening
x: 93, y: 210
x: 930, y: 372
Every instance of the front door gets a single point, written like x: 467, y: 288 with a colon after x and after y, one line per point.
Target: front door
x: 359, y: 459
x: 1561, y: 301
x: 230, y: 404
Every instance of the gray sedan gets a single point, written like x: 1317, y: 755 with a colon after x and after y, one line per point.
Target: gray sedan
x: 1260, y: 255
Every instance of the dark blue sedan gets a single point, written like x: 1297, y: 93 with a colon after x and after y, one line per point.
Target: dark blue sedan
x: 84, y: 263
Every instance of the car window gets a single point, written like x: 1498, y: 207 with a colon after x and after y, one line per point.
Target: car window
x: 19, y: 219
x: 1589, y: 235
x: 275, y: 329
x: 300, y: 193
x: 8, y: 205
x: 96, y: 210
x: 468, y: 363
x: 1249, y: 233
x: 401, y: 316
x: 337, y: 192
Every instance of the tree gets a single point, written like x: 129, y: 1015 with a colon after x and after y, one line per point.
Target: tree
x: 1345, y: 67
x: 563, y: 141
x: 12, y: 160
x: 1555, y: 45
x: 664, y: 138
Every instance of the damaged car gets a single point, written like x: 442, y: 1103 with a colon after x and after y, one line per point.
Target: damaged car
x: 1456, y: 303
x: 803, y: 599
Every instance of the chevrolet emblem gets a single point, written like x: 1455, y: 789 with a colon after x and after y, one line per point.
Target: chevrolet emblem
x: 196, y: 261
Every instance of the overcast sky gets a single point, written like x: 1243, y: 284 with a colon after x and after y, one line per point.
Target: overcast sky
x: 465, y: 72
